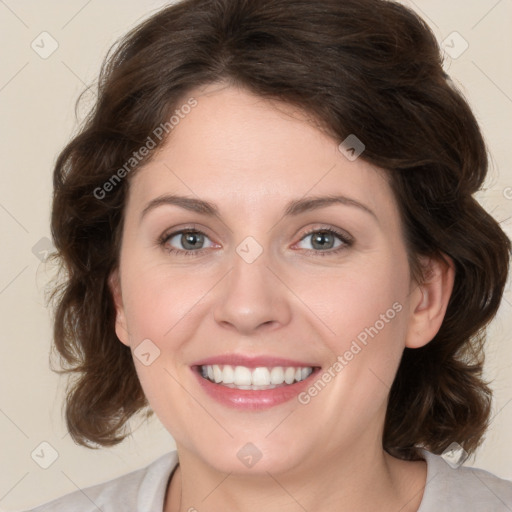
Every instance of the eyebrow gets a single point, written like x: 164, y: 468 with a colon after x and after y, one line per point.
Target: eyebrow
x: 293, y: 208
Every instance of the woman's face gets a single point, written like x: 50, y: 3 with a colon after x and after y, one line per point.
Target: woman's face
x: 273, y: 284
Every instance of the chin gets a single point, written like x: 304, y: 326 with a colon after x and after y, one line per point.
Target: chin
x: 258, y: 457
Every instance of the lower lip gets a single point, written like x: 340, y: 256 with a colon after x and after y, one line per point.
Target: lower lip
x: 250, y: 398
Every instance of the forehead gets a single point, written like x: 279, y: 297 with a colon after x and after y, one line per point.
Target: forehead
x: 236, y: 147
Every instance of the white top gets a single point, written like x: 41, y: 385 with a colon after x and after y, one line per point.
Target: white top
x: 463, y: 489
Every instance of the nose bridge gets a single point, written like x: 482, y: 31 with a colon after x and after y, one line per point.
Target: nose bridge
x: 251, y: 295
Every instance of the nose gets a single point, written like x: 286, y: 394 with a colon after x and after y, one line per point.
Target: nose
x: 252, y: 297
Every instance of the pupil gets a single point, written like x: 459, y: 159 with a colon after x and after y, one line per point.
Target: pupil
x: 321, y: 237
x: 190, y: 239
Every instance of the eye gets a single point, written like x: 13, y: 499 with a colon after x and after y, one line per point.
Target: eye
x: 189, y: 241
x: 324, y: 241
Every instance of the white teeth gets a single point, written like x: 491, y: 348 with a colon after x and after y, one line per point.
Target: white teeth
x: 228, y: 375
x: 289, y: 375
x: 277, y: 375
x: 242, y: 375
x: 217, y: 374
x: 262, y: 377
x: 305, y: 373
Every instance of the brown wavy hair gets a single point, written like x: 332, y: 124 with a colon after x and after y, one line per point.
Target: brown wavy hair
x: 366, y: 67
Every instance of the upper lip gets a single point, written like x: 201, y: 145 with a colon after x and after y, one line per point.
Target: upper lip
x: 253, y: 361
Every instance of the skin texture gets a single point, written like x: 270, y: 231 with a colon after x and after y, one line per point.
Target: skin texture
x: 250, y: 157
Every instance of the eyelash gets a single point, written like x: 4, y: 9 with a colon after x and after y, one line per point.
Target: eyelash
x: 347, y: 242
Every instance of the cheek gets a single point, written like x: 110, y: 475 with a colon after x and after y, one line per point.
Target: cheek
x: 160, y: 307
x: 365, y: 310
x: 361, y: 301
x: 158, y: 300
x: 369, y: 321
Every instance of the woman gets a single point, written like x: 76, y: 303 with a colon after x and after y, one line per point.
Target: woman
x: 270, y: 239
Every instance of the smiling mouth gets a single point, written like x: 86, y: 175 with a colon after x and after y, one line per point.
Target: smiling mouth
x: 260, y: 378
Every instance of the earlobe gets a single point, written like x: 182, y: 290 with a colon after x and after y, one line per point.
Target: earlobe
x: 114, y: 285
x: 430, y: 300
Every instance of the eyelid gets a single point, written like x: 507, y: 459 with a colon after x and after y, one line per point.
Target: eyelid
x: 181, y: 229
x: 344, y: 235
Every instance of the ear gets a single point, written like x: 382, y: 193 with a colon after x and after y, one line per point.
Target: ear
x: 429, y: 301
x: 114, y: 285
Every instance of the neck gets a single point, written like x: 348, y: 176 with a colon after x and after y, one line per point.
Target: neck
x: 354, y: 480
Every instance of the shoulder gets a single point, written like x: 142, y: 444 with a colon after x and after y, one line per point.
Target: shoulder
x: 144, y: 487
x: 463, y: 488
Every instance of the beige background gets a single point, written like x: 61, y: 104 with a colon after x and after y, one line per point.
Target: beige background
x: 37, y: 98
